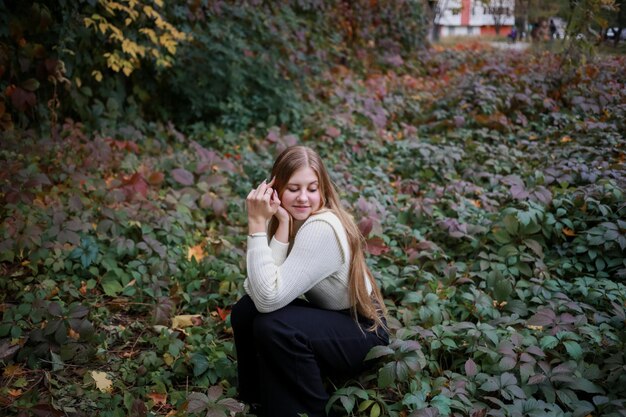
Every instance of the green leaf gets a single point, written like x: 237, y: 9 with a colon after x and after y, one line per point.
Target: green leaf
x: 502, y: 289
x: 57, y: 362
x: 375, y: 411
x: 379, y: 351
x: 111, y: 285
x: 30, y: 85
x: 501, y: 236
x: 364, y: 405
x: 511, y: 224
x: 548, y: 342
x: 348, y: 403
x: 582, y: 384
x: 200, y: 363
x: 386, y: 375
x: 442, y: 403
x: 492, y: 384
x: 574, y: 349
x: 450, y: 343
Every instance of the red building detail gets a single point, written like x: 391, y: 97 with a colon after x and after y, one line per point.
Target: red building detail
x: 466, y: 6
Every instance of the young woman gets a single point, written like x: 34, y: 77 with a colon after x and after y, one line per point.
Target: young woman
x: 286, y: 344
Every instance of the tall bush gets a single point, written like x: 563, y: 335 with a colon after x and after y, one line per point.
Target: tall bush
x: 229, y: 62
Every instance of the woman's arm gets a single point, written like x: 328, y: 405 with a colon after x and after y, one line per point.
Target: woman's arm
x: 279, y: 251
x: 315, y: 255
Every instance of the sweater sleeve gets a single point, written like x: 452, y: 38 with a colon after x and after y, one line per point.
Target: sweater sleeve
x: 315, y: 255
x: 279, y: 251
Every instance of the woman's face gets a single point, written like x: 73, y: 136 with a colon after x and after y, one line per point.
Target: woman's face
x: 301, y: 195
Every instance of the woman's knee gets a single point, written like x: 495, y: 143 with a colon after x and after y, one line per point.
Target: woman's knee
x: 243, y: 312
x: 269, y: 329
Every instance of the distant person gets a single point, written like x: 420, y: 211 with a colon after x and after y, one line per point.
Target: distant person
x: 302, y: 242
x: 513, y: 34
x: 553, y: 32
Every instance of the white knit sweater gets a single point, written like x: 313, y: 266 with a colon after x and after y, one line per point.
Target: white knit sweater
x: 318, y: 266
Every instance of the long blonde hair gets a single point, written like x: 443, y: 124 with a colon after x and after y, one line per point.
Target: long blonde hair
x: 367, y: 305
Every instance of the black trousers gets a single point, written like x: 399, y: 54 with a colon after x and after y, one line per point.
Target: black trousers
x: 284, y: 356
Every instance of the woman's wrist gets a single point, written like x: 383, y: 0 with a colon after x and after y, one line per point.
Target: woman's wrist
x: 256, y: 226
x: 282, y: 232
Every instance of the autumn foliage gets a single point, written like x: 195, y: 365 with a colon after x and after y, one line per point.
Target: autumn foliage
x: 489, y: 186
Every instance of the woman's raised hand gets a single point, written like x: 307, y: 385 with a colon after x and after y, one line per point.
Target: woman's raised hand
x: 262, y: 204
x: 259, y: 203
x: 281, y: 214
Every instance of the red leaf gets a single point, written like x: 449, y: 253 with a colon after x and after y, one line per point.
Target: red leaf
x: 22, y: 99
x: 333, y: 132
x: 182, y: 176
x: 219, y: 207
x: 156, y: 178
x: 123, y: 145
x: 136, y: 184
x: 215, y: 392
x: 223, y: 313
x: 470, y: 368
x: 138, y: 408
x: 376, y: 246
x: 365, y: 226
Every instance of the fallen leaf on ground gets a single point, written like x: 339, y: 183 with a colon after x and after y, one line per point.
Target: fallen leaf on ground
x: 186, y: 320
x: 157, y: 398
x: 103, y: 382
x: 568, y: 232
x: 13, y: 370
x: 195, y: 252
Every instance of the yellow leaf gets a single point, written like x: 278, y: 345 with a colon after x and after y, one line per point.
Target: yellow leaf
x: 168, y: 359
x: 13, y: 371
x: 186, y: 320
x: 566, y: 139
x: 72, y: 334
x: 97, y: 75
x: 102, y: 380
x: 15, y: 392
x: 157, y: 398
x: 196, y: 252
x: 568, y: 232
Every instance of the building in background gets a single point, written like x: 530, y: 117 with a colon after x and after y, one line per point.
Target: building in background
x: 475, y: 17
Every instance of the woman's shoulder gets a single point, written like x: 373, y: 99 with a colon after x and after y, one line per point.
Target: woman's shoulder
x: 325, y: 223
x: 328, y: 216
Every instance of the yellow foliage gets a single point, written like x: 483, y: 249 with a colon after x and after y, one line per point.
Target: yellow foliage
x: 196, y: 252
x: 186, y: 320
x: 102, y: 380
x: 160, y: 42
x: 568, y: 232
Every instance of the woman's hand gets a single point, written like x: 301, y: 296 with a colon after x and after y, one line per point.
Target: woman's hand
x: 263, y: 203
x: 259, y: 203
x: 281, y: 214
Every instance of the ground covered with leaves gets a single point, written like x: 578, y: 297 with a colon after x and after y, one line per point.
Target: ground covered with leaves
x: 490, y: 188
